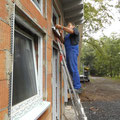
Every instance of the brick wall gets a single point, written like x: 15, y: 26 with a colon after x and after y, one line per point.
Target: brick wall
x: 6, y: 6
x: 4, y: 58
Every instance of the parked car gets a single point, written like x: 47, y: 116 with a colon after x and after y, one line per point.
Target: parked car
x: 85, y: 76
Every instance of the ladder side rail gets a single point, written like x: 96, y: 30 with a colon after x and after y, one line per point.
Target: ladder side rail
x: 71, y: 97
x: 76, y: 103
x: 75, y: 100
x: 66, y: 69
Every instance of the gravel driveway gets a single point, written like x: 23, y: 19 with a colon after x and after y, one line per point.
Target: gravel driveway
x: 100, y: 99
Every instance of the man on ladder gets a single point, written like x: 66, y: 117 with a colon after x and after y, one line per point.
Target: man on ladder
x: 71, y: 42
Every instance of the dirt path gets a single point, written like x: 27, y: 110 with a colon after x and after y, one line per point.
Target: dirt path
x: 101, y: 89
x: 101, y: 99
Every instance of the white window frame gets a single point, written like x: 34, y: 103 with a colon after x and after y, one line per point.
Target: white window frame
x: 56, y: 97
x: 46, y: 8
x: 33, y: 107
x: 58, y: 19
x: 41, y: 6
x: 56, y: 14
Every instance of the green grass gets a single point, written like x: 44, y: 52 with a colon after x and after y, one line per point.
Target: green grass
x: 91, y: 80
x: 117, y: 79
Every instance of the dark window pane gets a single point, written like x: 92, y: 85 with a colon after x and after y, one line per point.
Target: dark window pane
x: 37, y: 3
x: 24, y: 83
x: 54, y: 19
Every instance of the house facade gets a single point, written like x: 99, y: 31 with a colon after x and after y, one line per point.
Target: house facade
x: 31, y: 78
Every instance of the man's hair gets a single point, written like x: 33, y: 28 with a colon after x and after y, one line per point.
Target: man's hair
x: 71, y: 23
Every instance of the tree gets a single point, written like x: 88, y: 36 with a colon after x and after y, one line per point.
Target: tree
x: 104, y: 58
x: 97, y: 14
x: 101, y: 55
x: 118, y: 7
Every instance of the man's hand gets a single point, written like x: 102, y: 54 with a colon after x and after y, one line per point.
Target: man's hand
x: 61, y: 32
x: 59, y: 26
x: 67, y: 29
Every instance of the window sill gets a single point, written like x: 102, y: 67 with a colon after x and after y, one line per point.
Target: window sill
x: 36, y: 112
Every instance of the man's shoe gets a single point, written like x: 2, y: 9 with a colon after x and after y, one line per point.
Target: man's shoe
x: 79, y: 91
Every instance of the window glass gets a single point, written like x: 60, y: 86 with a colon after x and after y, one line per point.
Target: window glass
x: 55, y: 17
x: 24, y: 80
x: 38, y: 3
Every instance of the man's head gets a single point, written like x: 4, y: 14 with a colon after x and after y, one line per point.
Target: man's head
x: 71, y: 25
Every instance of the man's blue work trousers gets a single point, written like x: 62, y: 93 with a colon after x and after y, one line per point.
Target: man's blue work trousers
x: 71, y: 59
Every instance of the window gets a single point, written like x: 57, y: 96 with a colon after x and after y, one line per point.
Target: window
x: 24, y: 69
x: 27, y: 101
x: 55, y: 18
x: 38, y: 4
x: 45, y: 8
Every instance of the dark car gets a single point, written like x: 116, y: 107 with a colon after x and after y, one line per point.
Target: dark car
x: 85, y: 76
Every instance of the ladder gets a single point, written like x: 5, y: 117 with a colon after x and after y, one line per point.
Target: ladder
x: 77, y: 106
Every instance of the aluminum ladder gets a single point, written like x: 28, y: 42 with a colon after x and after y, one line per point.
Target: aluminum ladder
x: 77, y: 106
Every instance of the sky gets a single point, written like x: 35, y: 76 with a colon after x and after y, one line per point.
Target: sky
x: 115, y: 25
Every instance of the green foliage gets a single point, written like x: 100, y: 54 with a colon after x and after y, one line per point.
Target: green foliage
x: 96, y: 14
x: 118, y: 8
x: 103, y: 56
x: 118, y: 5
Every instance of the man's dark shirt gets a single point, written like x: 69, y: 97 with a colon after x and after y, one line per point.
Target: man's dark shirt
x: 74, y: 38
x: 71, y: 42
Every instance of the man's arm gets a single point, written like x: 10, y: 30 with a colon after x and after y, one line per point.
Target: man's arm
x: 69, y: 30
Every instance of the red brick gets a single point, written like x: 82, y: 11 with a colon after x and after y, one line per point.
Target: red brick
x: 49, y: 55
x: 28, y: 7
x: 46, y: 113
x: 44, y: 50
x: 49, y: 71
x: 3, y: 13
x: 49, y: 117
x: 49, y: 43
x: 49, y: 87
x: 34, y: 12
x: 2, y: 65
x: 2, y: 114
x: 4, y: 36
x: 44, y: 83
x: 3, y: 94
